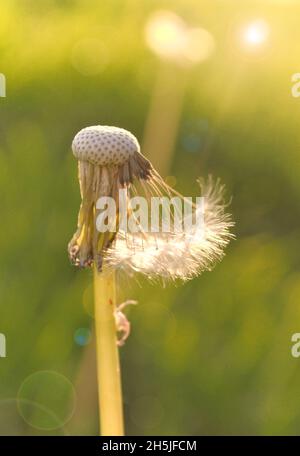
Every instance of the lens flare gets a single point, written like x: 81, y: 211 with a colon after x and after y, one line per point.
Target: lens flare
x: 46, y: 400
x: 82, y: 336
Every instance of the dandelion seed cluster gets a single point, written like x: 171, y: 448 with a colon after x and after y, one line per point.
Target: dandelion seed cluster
x: 110, y: 160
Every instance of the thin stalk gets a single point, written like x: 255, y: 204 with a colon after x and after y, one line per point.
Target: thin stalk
x: 108, y: 366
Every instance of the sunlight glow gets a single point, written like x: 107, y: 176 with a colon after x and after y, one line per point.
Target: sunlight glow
x: 165, y: 34
x: 256, y: 33
x: 168, y: 36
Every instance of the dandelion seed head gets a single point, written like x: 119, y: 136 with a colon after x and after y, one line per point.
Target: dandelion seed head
x: 109, y: 161
x: 104, y: 145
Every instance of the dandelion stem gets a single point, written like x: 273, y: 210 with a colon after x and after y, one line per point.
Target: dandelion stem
x: 108, y: 367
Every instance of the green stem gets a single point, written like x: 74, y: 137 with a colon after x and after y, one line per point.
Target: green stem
x: 108, y: 366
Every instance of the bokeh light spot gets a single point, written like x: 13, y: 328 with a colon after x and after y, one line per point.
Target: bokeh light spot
x: 191, y: 142
x: 169, y: 37
x: 165, y: 34
x: 46, y: 400
x: 256, y: 33
x: 82, y: 336
x: 200, y: 45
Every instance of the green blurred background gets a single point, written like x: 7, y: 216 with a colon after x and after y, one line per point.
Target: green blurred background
x: 212, y: 356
